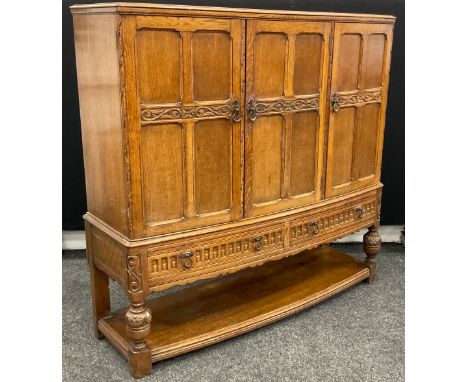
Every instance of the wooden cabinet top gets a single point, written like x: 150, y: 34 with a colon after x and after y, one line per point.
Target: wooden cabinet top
x: 191, y: 10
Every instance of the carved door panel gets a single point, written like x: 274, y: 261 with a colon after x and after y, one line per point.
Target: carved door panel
x: 286, y: 82
x: 361, y: 61
x: 184, y: 98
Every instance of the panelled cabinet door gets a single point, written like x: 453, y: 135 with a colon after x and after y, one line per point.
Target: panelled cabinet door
x: 184, y: 103
x: 361, y: 61
x: 286, y: 82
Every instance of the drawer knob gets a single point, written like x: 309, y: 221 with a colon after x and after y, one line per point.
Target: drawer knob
x: 186, y: 259
x: 314, y: 225
x: 236, y: 117
x: 359, y: 211
x: 258, y: 242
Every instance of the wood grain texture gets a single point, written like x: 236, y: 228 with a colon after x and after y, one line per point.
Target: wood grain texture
x: 267, y: 150
x: 366, y: 142
x: 283, y: 58
x: 215, y: 255
x: 212, y: 65
x: 233, y: 225
x: 184, y: 10
x: 207, y: 57
x: 99, y: 282
x: 270, y: 58
x: 213, y: 171
x: 97, y: 65
x: 307, y: 63
x: 159, y: 66
x: 162, y: 172
x: 304, y: 162
x: 359, y: 83
x: 224, y: 308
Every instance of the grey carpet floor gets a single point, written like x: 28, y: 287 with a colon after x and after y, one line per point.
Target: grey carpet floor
x: 357, y: 335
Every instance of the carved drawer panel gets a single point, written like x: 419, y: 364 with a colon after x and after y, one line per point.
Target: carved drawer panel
x: 181, y: 264
x: 318, y: 226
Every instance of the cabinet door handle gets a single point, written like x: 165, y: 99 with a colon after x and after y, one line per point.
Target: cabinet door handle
x: 186, y: 259
x: 359, y: 211
x: 335, y: 104
x: 251, y: 113
x: 314, y: 225
x: 236, y: 117
x: 258, y: 242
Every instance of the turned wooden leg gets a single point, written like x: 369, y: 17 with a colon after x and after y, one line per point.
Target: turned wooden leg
x: 371, y: 247
x: 138, y: 319
x: 99, y: 286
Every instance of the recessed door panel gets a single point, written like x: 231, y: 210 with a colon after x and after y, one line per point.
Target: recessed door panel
x: 305, y: 128
x: 374, y: 60
x: 307, y: 61
x: 347, y: 68
x: 212, y: 157
x: 267, y: 150
x: 159, y: 66
x: 361, y: 62
x: 162, y: 168
x: 286, y: 81
x: 342, y: 146
x: 187, y: 106
x: 270, y: 62
x: 212, y: 72
x: 366, y: 141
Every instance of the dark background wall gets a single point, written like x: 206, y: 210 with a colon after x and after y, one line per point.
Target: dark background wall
x: 393, y: 176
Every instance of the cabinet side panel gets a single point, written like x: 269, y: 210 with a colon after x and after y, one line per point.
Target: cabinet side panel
x: 98, y: 86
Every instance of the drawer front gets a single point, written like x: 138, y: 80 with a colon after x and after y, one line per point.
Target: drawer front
x: 181, y: 264
x: 316, y: 227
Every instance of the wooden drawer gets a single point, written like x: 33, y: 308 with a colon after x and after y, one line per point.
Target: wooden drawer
x: 332, y: 222
x: 176, y: 265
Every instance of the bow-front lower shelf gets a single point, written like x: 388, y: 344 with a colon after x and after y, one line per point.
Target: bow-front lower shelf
x: 213, y: 311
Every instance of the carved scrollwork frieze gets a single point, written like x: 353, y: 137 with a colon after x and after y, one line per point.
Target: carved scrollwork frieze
x: 368, y: 96
x: 152, y: 114
x: 284, y: 105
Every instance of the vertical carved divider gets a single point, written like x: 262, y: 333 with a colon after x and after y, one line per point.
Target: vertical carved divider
x: 138, y: 319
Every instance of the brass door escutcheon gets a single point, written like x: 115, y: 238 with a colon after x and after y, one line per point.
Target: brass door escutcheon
x: 335, y: 103
x: 236, y: 116
x: 252, y: 114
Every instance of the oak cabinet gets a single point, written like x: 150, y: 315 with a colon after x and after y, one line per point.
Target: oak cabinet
x: 218, y: 140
